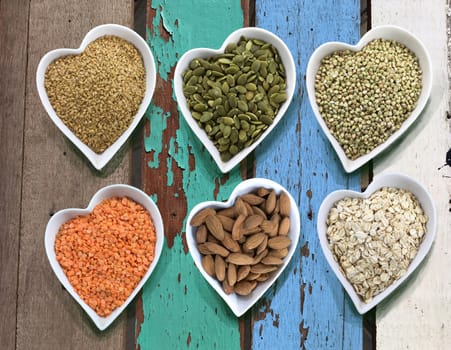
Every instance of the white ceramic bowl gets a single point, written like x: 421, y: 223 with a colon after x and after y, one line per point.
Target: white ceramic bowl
x: 64, y: 215
x: 390, y: 180
x: 240, y: 304
x: 182, y: 65
x: 387, y: 32
x: 99, y: 160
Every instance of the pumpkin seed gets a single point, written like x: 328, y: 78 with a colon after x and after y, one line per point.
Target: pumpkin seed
x: 248, y: 77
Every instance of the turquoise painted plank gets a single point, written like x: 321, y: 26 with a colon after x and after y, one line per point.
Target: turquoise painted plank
x: 308, y: 308
x: 180, y: 310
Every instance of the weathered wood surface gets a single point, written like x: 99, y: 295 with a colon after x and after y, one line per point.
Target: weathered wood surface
x: 179, y: 309
x: 304, y: 309
x: 418, y: 316
x: 13, y: 64
x: 307, y: 308
x: 42, y: 174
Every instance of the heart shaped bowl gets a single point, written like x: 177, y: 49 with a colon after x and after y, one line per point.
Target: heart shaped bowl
x: 388, y: 32
x: 99, y: 160
x: 237, y: 303
x: 64, y: 215
x: 387, y: 180
x: 234, y: 37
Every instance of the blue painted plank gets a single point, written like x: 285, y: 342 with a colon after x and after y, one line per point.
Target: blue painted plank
x: 308, y: 308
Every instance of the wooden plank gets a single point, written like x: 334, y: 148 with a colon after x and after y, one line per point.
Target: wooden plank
x: 179, y: 309
x: 308, y: 308
x: 56, y: 177
x: 13, y: 64
x: 419, y: 314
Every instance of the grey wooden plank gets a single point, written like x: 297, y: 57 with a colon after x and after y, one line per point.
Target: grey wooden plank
x: 13, y: 63
x: 56, y: 177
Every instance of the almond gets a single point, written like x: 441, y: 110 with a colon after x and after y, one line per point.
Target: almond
x: 251, y: 231
x: 236, y: 230
x: 252, y: 276
x: 271, y: 260
x: 263, y: 277
x: 254, y: 241
x: 242, y: 272
x: 284, y: 203
x: 279, y: 242
x: 240, y: 207
x: 263, y: 192
x: 244, y: 287
x: 214, y: 225
x: 260, y: 256
x: 230, y: 243
x: 240, y: 259
x: 279, y: 253
x: 213, y: 248
x: 200, y: 217
x: 253, y: 221
x: 258, y: 211
x: 262, y: 245
x: 227, y: 222
x: 231, y: 274
x: 284, y: 226
x: 252, y: 199
x: 262, y: 268
x: 209, y: 265
x: 269, y: 227
x: 270, y: 203
x: 228, y: 289
x: 201, y: 234
x: 220, y: 268
x: 229, y: 212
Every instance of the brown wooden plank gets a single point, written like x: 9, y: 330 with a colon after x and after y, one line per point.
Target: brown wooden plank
x: 13, y: 63
x: 56, y: 177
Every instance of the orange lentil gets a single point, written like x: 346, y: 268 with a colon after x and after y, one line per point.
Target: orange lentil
x: 107, y: 252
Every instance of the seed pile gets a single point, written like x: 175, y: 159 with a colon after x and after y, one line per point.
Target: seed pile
x: 106, y: 253
x: 236, y: 95
x: 374, y: 240
x: 96, y: 94
x: 244, y: 244
x: 365, y: 96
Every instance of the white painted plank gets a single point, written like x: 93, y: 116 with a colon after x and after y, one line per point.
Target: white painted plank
x: 419, y: 315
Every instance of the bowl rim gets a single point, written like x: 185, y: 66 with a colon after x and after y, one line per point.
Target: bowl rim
x: 99, y: 160
x: 248, y: 32
x: 55, y: 222
x: 389, y: 179
x: 390, y: 32
x: 241, y: 304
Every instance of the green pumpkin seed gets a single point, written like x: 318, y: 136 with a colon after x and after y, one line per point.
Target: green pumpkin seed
x: 200, y: 107
x: 206, y: 116
x: 266, y: 119
x: 243, y: 106
x: 233, y: 150
x: 241, y: 89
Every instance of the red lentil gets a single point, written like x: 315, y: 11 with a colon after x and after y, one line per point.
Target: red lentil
x: 106, y: 253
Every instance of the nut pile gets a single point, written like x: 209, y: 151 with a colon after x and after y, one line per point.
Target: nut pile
x: 96, y: 94
x: 375, y: 239
x: 364, y: 97
x: 236, y: 95
x: 244, y: 244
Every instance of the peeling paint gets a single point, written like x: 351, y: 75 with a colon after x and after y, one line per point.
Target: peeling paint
x: 180, y: 309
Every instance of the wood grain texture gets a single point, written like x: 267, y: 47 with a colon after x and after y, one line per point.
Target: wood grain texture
x: 13, y: 64
x: 57, y: 177
x: 179, y: 309
x: 307, y: 308
x: 418, y: 315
